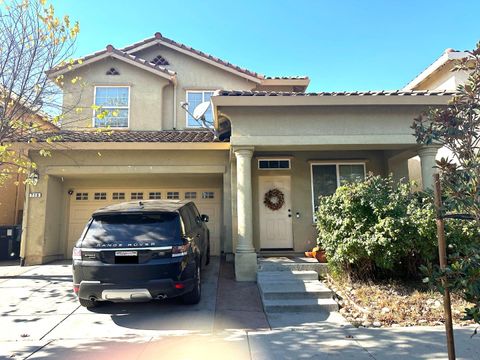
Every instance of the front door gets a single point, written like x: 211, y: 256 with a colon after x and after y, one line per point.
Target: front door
x: 275, y: 212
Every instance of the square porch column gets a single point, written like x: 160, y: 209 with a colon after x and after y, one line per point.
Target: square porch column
x: 245, y: 256
x: 427, y: 162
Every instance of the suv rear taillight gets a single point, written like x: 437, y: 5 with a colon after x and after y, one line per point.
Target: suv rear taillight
x: 181, y: 250
x: 76, y: 254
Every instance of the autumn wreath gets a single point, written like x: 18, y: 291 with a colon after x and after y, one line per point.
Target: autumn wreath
x: 274, y: 199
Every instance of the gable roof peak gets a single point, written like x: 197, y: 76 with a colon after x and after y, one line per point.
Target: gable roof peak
x: 110, y: 48
x: 158, y: 35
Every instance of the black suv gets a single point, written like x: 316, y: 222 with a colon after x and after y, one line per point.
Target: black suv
x: 139, y: 251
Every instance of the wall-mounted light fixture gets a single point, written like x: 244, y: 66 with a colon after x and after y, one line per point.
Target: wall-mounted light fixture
x: 34, y: 177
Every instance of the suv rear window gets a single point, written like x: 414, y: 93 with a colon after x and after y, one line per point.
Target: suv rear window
x: 127, y: 228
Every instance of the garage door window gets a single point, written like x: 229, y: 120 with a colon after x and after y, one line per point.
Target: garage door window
x: 81, y: 196
x: 136, y: 196
x: 190, y: 195
x: 118, y: 196
x: 100, y: 196
x: 173, y: 195
x: 155, y: 196
x: 208, y: 195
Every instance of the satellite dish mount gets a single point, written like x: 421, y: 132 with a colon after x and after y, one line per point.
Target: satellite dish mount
x: 198, y: 115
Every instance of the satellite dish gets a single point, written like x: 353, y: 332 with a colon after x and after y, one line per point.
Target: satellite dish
x: 200, y: 110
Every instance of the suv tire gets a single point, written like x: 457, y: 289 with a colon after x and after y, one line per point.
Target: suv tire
x: 88, y: 303
x: 208, y: 255
x: 193, y: 297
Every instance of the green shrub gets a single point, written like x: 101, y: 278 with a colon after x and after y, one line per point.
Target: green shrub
x: 377, y: 228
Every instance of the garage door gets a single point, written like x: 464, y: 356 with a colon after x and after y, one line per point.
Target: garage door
x: 84, y: 201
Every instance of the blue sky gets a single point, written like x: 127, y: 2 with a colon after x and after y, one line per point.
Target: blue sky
x: 340, y: 45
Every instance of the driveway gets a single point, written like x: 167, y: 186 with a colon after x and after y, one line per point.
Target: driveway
x: 41, y: 319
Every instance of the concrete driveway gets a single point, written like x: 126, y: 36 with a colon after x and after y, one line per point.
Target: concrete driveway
x: 41, y: 319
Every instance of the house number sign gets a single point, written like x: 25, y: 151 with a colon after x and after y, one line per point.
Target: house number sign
x: 35, y: 195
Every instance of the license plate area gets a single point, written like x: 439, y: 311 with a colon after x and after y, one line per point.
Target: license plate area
x: 126, y: 257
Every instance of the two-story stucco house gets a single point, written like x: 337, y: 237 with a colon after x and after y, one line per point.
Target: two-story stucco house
x: 274, y: 136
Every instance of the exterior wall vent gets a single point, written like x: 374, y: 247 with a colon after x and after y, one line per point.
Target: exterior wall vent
x: 112, y: 71
x: 160, y: 60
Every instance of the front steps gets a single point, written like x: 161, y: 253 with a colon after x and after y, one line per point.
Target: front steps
x: 292, y: 286
x: 291, y: 264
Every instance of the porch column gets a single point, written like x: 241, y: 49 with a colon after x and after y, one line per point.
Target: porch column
x: 427, y: 162
x: 245, y: 256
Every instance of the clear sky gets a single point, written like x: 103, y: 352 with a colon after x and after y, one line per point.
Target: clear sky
x: 339, y: 44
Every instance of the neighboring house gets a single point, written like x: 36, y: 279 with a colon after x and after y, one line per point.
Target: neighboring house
x: 274, y: 136
x: 440, y: 75
x: 12, y: 191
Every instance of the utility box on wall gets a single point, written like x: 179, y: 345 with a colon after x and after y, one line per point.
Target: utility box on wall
x: 10, y: 242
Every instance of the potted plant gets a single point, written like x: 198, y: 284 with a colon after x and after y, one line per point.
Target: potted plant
x: 318, y: 254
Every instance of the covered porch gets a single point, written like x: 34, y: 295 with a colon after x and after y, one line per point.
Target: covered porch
x: 315, y: 143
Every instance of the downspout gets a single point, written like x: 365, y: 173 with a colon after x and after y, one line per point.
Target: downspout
x: 26, y: 212
x: 174, y: 105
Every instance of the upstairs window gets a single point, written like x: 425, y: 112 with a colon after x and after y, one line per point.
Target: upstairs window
x: 195, y: 98
x: 113, y: 103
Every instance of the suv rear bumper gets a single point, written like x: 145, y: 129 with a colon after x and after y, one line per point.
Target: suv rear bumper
x: 138, y: 291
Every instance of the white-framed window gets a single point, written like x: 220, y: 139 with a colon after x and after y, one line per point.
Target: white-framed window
x: 274, y: 164
x: 116, y: 101
x: 195, y: 98
x: 326, y: 177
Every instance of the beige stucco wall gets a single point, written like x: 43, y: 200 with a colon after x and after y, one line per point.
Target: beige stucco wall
x: 322, y: 125
x: 192, y: 74
x: 46, y: 218
x: 12, y: 194
x: 151, y: 96
x: 146, y: 94
x: 304, y: 234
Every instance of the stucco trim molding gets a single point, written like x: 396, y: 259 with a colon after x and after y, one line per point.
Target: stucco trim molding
x: 133, y: 169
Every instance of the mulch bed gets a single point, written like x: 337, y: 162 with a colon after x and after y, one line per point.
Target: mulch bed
x: 394, y: 304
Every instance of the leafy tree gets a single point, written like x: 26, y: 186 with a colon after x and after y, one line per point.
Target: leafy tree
x: 33, y: 39
x: 457, y: 127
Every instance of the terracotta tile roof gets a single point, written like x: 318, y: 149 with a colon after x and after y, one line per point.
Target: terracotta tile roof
x: 159, y: 36
x: 296, y: 77
x: 343, y: 93
x: 164, y: 136
x: 111, y: 49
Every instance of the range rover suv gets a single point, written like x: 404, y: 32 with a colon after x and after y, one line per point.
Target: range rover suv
x: 139, y: 251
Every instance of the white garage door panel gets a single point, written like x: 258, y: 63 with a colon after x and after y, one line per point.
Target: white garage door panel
x: 81, y: 210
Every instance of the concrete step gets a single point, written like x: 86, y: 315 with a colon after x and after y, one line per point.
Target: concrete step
x: 295, y: 264
x: 294, y: 289
x: 275, y: 276
x: 300, y: 305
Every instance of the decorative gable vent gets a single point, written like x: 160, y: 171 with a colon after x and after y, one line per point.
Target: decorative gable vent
x: 160, y: 60
x: 113, y: 71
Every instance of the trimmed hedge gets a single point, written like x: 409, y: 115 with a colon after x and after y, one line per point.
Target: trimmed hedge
x: 378, y: 228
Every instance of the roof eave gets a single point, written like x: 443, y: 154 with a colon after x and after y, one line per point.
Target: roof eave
x: 55, y: 73
x: 147, y: 44
x: 445, y: 58
x: 433, y: 100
